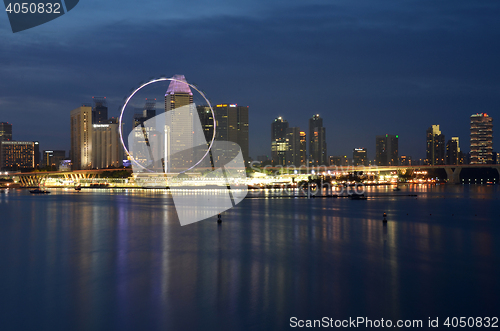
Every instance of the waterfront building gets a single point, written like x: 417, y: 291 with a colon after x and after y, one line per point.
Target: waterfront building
x: 481, y: 139
x: 17, y: 155
x: 435, y: 150
x: 81, y: 137
x: 52, y: 158
x: 386, y: 150
x: 279, y: 145
x: 359, y: 157
x: 453, y: 153
x: 317, y: 142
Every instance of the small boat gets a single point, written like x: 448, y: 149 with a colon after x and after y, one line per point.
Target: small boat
x: 357, y: 196
x: 396, y: 189
x: 78, y: 187
x: 39, y: 191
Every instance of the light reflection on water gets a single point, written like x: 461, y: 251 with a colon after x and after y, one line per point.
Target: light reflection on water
x: 101, y: 260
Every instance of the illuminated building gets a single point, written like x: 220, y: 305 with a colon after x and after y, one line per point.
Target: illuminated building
x: 359, y: 157
x: 386, y: 150
x: 81, y: 138
x: 179, y: 136
x: 481, y: 139
x: 453, y: 153
x: 317, y: 141
x: 405, y: 160
x: 294, y: 155
x: 17, y: 155
x: 232, y: 125
x: 435, y: 150
x: 303, y: 148
x: 5, y: 131
x: 52, y: 159
x: 107, y: 149
x: 279, y: 146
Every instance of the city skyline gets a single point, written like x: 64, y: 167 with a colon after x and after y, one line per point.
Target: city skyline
x: 398, y: 69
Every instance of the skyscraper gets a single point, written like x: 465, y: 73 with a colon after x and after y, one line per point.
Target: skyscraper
x: 453, y: 153
x: 107, y: 150
x: 303, y: 148
x: 5, y: 131
x: 17, y: 155
x: 51, y: 159
x: 317, y: 142
x: 435, y: 150
x: 294, y: 152
x: 232, y: 124
x: 386, y: 150
x: 481, y: 139
x: 359, y: 157
x: 179, y: 135
x: 279, y: 146
x: 81, y: 138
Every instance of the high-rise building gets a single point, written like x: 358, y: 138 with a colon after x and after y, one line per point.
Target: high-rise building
x: 453, y: 153
x: 17, y: 155
x: 386, y: 150
x: 303, y: 148
x: 435, y: 150
x: 294, y: 152
x: 52, y: 159
x: 107, y: 149
x: 99, y: 110
x: 81, y: 138
x: 279, y: 146
x: 317, y: 142
x: 481, y: 139
x: 5, y: 131
x: 179, y: 127
x: 359, y: 157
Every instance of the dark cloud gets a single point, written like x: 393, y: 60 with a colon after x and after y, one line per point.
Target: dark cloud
x: 367, y: 67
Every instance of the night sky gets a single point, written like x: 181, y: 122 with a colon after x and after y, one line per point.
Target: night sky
x: 367, y: 67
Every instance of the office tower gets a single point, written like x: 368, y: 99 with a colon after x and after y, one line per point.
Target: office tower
x: 317, y: 142
x: 303, y: 148
x: 453, y: 153
x: 435, y: 150
x: 481, y: 139
x: 37, y: 154
x: 359, y: 157
x: 17, y: 155
x: 405, y: 160
x: 232, y: 125
x: 293, y: 154
x: 386, y: 150
x: 146, y: 113
x: 279, y: 145
x: 52, y: 159
x: 107, y: 151
x: 81, y: 138
x: 179, y: 107
x: 5, y: 131
x: 99, y: 110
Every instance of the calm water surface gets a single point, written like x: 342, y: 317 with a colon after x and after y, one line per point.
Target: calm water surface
x: 119, y: 260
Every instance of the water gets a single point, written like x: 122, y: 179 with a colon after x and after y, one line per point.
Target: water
x: 105, y: 260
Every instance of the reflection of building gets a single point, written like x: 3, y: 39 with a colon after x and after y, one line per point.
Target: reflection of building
x: 5, y: 131
x: 17, y: 155
x: 81, y: 138
x: 435, y: 150
x: 359, y: 157
x: 317, y: 141
x: 52, y: 159
x: 481, y: 139
x: 453, y: 153
x: 279, y: 146
x: 386, y: 150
